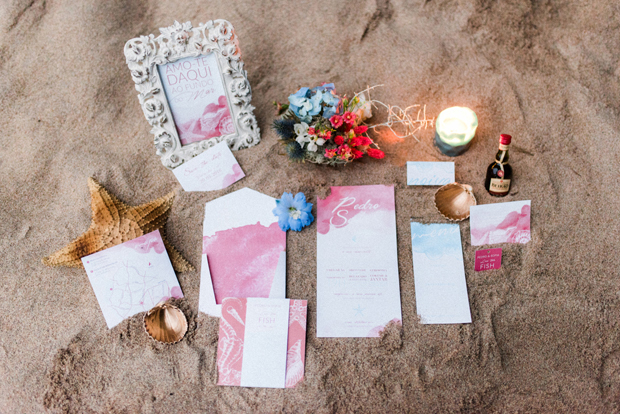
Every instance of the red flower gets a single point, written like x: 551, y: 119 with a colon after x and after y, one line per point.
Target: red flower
x: 353, y: 142
x: 325, y: 135
x: 330, y: 153
x: 357, y: 153
x: 360, y: 129
x: 311, y: 131
x: 339, y: 140
x: 365, y: 141
x: 336, y: 121
x: 375, y: 153
x: 349, y: 118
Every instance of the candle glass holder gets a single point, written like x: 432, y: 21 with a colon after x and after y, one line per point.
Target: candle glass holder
x: 455, y: 130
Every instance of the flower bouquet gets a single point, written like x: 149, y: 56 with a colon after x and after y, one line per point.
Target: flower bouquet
x: 322, y: 127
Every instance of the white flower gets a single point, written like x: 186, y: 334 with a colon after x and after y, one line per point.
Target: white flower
x: 303, y: 136
x: 302, y: 133
x: 314, y: 141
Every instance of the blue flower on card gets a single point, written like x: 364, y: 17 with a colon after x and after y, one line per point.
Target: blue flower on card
x: 293, y: 212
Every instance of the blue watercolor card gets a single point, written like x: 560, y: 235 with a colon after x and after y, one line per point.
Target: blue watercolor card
x: 439, y: 274
x: 430, y: 173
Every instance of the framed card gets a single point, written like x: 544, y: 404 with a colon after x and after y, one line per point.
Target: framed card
x: 193, y: 89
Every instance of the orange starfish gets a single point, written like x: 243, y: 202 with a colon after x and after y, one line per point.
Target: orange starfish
x: 114, y: 222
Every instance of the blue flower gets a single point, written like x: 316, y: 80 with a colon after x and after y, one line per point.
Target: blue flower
x: 329, y: 98
x: 293, y: 213
x: 301, y: 105
x: 331, y: 102
x: 326, y: 87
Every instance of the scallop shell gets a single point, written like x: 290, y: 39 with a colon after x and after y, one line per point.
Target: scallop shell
x: 165, y: 323
x: 453, y: 201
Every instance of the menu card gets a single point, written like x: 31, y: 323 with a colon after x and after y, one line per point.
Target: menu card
x: 439, y: 274
x: 262, y: 342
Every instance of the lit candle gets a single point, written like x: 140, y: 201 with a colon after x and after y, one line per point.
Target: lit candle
x: 455, y: 128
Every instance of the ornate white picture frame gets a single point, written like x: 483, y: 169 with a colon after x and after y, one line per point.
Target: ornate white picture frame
x: 213, y: 46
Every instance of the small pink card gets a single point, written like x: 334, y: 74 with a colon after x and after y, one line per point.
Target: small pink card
x: 213, y: 169
x: 262, y: 342
x: 488, y: 259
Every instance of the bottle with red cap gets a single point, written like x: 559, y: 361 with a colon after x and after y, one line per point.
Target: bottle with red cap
x: 499, y: 173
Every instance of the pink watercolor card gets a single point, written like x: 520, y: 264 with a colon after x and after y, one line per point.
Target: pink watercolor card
x: 197, y: 98
x: 132, y: 277
x: 488, y: 259
x: 439, y: 273
x: 214, y: 169
x: 262, y: 342
x: 243, y: 250
x: 500, y: 223
x: 358, y: 290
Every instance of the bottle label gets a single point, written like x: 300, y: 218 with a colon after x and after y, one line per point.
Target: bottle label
x: 499, y: 185
x: 503, y: 147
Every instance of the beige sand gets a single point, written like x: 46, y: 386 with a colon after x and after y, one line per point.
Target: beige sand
x: 545, y: 336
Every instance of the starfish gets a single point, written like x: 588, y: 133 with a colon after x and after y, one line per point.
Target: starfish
x: 115, y: 222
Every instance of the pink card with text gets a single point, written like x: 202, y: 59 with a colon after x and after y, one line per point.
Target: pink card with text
x: 262, y: 342
x: 488, y: 259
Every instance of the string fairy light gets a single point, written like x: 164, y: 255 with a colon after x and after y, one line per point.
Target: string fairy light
x: 412, y: 118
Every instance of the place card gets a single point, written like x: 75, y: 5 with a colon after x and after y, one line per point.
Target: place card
x: 243, y: 250
x: 439, y: 274
x: 500, y: 223
x: 358, y: 291
x: 488, y: 259
x: 131, y: 277
x: 210, y: 170
x: 430, y: 173
x: 262, y: 342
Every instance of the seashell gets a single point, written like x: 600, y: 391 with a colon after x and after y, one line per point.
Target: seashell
x: 165, y: 323
x: 453, y: 201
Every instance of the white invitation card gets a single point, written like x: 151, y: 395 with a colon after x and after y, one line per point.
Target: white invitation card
x: 358, y: 290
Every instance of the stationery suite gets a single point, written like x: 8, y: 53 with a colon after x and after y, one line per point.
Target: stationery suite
x: 358, y: 289
x: 500, y: 223
x: 243, y: 250
x: 213, y: 169
x: 439, y: 273
x: 131, y: 277
x: 262, y: 342
x: 430, y: 173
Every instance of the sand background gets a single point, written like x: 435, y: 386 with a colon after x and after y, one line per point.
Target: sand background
x: 545, y: 334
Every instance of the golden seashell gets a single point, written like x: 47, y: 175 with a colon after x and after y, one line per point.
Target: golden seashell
x: 165, y: 323
x: 453, y: 201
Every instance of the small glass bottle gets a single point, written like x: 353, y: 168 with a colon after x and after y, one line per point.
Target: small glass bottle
x: 499, y: 173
